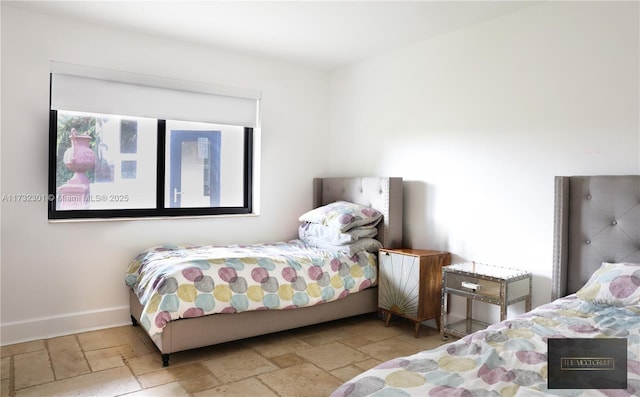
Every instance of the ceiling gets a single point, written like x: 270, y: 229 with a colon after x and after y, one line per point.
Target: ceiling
x: 319, y: 34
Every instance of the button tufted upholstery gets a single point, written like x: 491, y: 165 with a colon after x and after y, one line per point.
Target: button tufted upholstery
x: 381, y: 193
x: 597, y: 219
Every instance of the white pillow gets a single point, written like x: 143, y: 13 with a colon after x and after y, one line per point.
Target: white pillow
x: 334, y: 236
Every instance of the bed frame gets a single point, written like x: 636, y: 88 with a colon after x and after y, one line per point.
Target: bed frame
x: 383, y: 194
x: 597, y: 219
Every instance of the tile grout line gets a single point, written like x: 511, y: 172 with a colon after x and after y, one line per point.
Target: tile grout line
x: 12, y: 377
x: 53, y: 370
x: 84, y: 355
x: 257, y: 377
x: 126, y: 364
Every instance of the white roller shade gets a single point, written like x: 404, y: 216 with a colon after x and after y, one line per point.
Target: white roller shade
x: 78, y: 88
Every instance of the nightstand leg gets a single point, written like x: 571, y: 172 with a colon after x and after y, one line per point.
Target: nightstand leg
x: 388, y: 319
x: 448, y: 300
x: 417, y: 330
x: 469, y: 314
x: 503, y: 301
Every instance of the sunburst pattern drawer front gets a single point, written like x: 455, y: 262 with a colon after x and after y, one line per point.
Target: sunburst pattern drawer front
x: 477, y: 286
x: 399, y: 287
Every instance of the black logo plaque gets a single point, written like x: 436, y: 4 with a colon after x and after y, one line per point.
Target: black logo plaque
x: 587, y: 363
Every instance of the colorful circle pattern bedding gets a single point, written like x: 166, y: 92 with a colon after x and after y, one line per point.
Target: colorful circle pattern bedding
x: 507, y: 359
x: 175, y: 282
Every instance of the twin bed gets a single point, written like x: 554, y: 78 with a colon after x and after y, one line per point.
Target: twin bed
x: 596, y: 292
x: 193, y: 296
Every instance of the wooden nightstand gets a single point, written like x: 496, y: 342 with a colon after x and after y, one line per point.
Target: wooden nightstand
x: 410, y: 283
x: 478, y: 282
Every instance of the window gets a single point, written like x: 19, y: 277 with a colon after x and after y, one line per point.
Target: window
x: 199, y: 172
x: 130, y: 161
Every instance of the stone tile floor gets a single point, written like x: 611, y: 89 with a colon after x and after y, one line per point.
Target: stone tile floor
x: 122, y: 361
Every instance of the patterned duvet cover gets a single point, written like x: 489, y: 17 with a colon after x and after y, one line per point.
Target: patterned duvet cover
x: 507, y: 359
x: 175, y: 282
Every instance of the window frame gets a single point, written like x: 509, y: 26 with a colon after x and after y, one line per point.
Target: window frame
x: 159, y: 211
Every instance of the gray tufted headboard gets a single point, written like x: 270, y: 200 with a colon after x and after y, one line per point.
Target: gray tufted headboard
x: 381, y: 193
x: 597, y: 219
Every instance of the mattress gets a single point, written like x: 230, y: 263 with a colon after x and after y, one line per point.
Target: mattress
x: 174, y: 282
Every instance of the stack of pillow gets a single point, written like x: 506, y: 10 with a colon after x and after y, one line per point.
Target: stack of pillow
x: 341, y: 227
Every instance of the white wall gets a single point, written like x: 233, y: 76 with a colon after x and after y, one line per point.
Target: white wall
x: 480, y: 120
x: 64, y: 277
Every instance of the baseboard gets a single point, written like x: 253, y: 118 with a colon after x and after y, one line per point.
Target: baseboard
x: 65, y: 324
